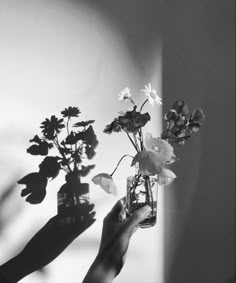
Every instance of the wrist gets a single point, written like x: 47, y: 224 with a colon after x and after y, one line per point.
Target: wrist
x: 15, y: 269
x: 100, y: 271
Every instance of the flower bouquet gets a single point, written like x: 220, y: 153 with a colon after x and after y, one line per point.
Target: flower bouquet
x: 152, y: 154
x: 71, y: 149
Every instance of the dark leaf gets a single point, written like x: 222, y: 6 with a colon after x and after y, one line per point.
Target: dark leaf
x: 50, y: 167
x: 88, y: 136
x: 72, y: 138
x: 36, y: 139
x: 35, y: 187
x: 41, y: 149
x: 132, y: 121
x: 90, y: 152
x: 113, y: 127
x: 83, y: 123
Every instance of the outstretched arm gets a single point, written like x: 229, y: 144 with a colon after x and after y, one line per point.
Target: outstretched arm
x: 46, y: 245
x: 116, y: 235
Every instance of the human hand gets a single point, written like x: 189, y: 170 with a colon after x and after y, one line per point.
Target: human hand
x: 48, y: 243
x: 116, y: 235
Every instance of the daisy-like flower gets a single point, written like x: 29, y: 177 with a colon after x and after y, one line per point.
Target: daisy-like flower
x: 125, y: 93
x: 70, y: 112
x: 152, y: 95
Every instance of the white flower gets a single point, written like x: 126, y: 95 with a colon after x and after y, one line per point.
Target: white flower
x: 163, y: 150
x: 125, y: 93
x: 152, y: 95
x: 166, y: 177
x: 105, y: 181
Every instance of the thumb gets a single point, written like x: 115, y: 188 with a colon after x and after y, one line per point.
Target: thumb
x: 137, y: 217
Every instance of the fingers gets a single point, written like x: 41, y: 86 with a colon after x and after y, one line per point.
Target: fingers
x: 116, y: 210
x: 136, y: 218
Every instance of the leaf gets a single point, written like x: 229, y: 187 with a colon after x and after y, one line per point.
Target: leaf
x: 83, y: 123
x: 149, y: 164
x: 72, y: 138
x: 41, y: 149
x: 113, y: 127
x: 132, y: 121
x: 36, y: 139
x: 88, y: 136
x: 35, y: 187
x: 50, y: 167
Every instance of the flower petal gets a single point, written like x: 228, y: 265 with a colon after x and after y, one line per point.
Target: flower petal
x: 149, y: 163
x: 163, y: 150
x: 105, y: 181
x: 166, y: 177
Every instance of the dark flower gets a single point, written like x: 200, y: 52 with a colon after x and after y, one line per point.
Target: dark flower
x: 50, y: 167
x: 132, y: 121
x: 51, y: 128
x: 70, y: 112
x: 181, y: 107
x: 35, y: 187
x: 113, y: 127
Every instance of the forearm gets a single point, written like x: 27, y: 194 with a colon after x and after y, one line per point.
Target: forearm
x: 15, y: 269
x: 100, y: 272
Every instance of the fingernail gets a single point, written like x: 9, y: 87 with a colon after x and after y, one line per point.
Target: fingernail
x: 146, y: 210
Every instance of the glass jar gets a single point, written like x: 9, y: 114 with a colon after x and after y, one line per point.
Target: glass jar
x: 142, y: 190
x: 72, y: 197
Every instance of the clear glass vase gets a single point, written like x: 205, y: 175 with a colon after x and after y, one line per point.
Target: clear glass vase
x: 72, y: 197
x: 142, y: 190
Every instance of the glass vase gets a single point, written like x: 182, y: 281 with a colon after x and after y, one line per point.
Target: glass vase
x: 72, y: 197
x: 142, y: 190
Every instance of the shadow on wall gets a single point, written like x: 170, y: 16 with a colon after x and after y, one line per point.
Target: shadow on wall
x: 200, y: 209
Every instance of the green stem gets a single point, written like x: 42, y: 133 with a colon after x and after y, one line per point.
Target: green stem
x: 149, y: 196
x: 119, y: 163
x: 132, y: 142
x: 141, y: 139
x: 141, y: 108
x: 131, y: 100
x: 56, y: 142
x: 136, y: 142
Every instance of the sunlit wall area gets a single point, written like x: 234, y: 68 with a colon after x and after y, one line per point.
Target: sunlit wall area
x: 56, y: 54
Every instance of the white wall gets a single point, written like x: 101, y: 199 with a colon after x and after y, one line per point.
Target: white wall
x: 55, y: 54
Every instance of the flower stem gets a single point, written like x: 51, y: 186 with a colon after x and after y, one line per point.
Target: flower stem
x: 61, y: 152
x: 132, y: 142
x: 141, y: 108
x: 119, y: 163
x: 141, y: 139
x: 131, y: 100
x: 136, y: 142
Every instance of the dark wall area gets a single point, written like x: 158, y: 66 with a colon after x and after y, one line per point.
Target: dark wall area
x: 198, y: 66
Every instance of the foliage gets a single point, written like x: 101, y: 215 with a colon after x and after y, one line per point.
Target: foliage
x: 152, y: 153
x: 77, y: 145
